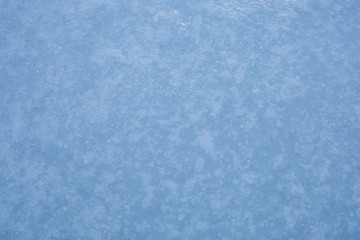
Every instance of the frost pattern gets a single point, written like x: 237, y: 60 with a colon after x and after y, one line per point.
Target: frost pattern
x: 179, y: 119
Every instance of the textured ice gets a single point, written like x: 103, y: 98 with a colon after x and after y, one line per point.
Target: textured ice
x: 156, y: 119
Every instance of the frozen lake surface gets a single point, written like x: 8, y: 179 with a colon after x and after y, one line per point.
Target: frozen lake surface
x: 180, y: 119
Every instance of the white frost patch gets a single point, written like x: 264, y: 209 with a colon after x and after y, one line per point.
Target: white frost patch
x: 216, y: 204
x: 249, y: 177
x: 206, y: 141
x: 189, y: 185
x: 171, y: 185
x: 297, y: 188
x: 278, y: 161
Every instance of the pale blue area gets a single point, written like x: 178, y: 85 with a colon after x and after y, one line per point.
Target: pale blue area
x: 180, y: 119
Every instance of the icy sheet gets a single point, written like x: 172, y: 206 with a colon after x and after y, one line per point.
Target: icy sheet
x: 179, y: 119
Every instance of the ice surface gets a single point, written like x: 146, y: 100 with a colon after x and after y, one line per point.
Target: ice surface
x: 180, y: 119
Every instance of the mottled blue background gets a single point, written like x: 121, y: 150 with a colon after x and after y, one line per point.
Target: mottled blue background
x: 178, y: 119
